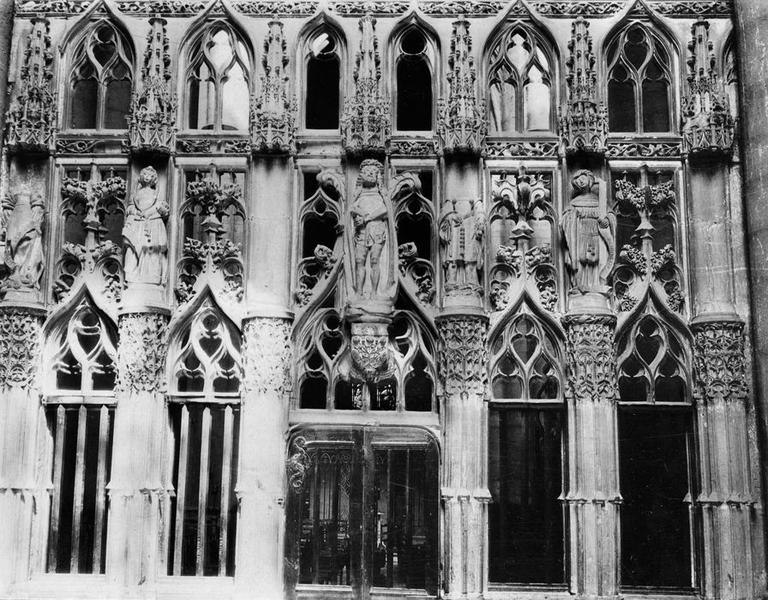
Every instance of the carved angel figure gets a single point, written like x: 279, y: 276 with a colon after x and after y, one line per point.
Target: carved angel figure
x: 370, y: 220
x: 589, y: 233
x: 22, y: 220
x: 144, y: 233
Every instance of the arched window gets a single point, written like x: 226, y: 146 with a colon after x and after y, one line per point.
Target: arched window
x: 413, y: 111
x: 639, y: 82
x: 657, y: 456
x: 520, y: 82
x: 328, y: 376
x: 101, y: 80
x: 526, y: 426
x: 218, y: 76
x: 323, y: 81
x: 79, y: 406
x: 204, y: 406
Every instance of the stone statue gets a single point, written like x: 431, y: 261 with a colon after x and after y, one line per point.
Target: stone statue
x: 144, y: 233
x: 462, y: 230
x: 22, y: 219
x: 370, y: 220
x: 589, y: 234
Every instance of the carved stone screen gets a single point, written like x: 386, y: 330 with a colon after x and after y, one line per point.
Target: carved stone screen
x: 383, y: 299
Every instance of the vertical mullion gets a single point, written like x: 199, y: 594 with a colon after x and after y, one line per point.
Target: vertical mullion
x: 58, y: 468
x: 79, y: 491
x: 101, y: 477
x: 390, y: 527
x: 226, y: 475
x: 181, y: 489
x: 202, y: 496
x: 316, y: 523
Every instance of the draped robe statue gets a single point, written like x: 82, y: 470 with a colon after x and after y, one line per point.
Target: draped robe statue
x: 23, y: 216
x: 589, y: 234
x: 144, y: 233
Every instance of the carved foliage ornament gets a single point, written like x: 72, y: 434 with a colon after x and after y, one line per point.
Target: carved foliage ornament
x: 142, y: 352
x: 20, y: 336
x: 721, y: 360
x: 591, y: 358
x: 266, y: 355
x: 462, y: 355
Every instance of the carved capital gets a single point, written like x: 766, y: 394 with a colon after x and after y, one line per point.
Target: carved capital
x: 720, y: 360
x: 142, y: 352
x: 463, y: 355
x: 266, y: 355
x: 20, y: 333
x: 591, y: 355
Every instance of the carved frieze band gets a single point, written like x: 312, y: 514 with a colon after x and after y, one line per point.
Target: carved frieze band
x: 463, y: 356
x: 266, y: 355
x: 721, y: 360
x: 591, y: 357
x: 20, y: 335
x: 141, y: 355
x: 354, y: 8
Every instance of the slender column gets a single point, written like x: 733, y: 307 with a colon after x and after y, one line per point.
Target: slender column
x: 732, y: 551
x: 592, y: 497
x: 6, y: 31
x: 463, y: 373
x: 138, y: 489
x: 261, y: 473
x: 752, y: 32
x: 20, y: 413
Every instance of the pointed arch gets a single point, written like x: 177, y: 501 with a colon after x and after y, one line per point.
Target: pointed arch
x: 204, y: 357
x: 217, y: 72
x: 654, y: 354
x: 414, y: 55
x: 321, y: 61
x: 730, y: 74
x: 526, y: 354
x: 80, y: 349
x: 642, y: 73
x: 100, y: 69
x: 520, y: 74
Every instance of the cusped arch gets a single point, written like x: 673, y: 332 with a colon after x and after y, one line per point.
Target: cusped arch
x: 204, y: 351
x: 99, y: 67
x: 654, y: 356
x: 526, y: 354
x: 216, y: 69
x: 520, y: 75
x: 627, y: 73
x: 79, y: 348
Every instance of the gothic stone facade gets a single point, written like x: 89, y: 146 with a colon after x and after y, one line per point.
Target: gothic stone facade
x: 381, y: 299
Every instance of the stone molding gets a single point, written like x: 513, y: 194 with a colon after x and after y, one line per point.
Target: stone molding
x: 142, y: 352
x: 266, y: 355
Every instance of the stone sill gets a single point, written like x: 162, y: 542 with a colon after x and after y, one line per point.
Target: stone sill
x: 327, y: 592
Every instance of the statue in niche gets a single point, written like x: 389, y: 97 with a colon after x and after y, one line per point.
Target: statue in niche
x: 589, y: 234
x: 370, y: 221
x: 22, y: 220
x: 462, y: 230
x: 144, y: 233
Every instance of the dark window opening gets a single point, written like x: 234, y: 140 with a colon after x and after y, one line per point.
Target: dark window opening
x: 322, y: 103
x: 414, y: 92
x: 621, y: 106
x: 526, y: 532
x: 656, y: 454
